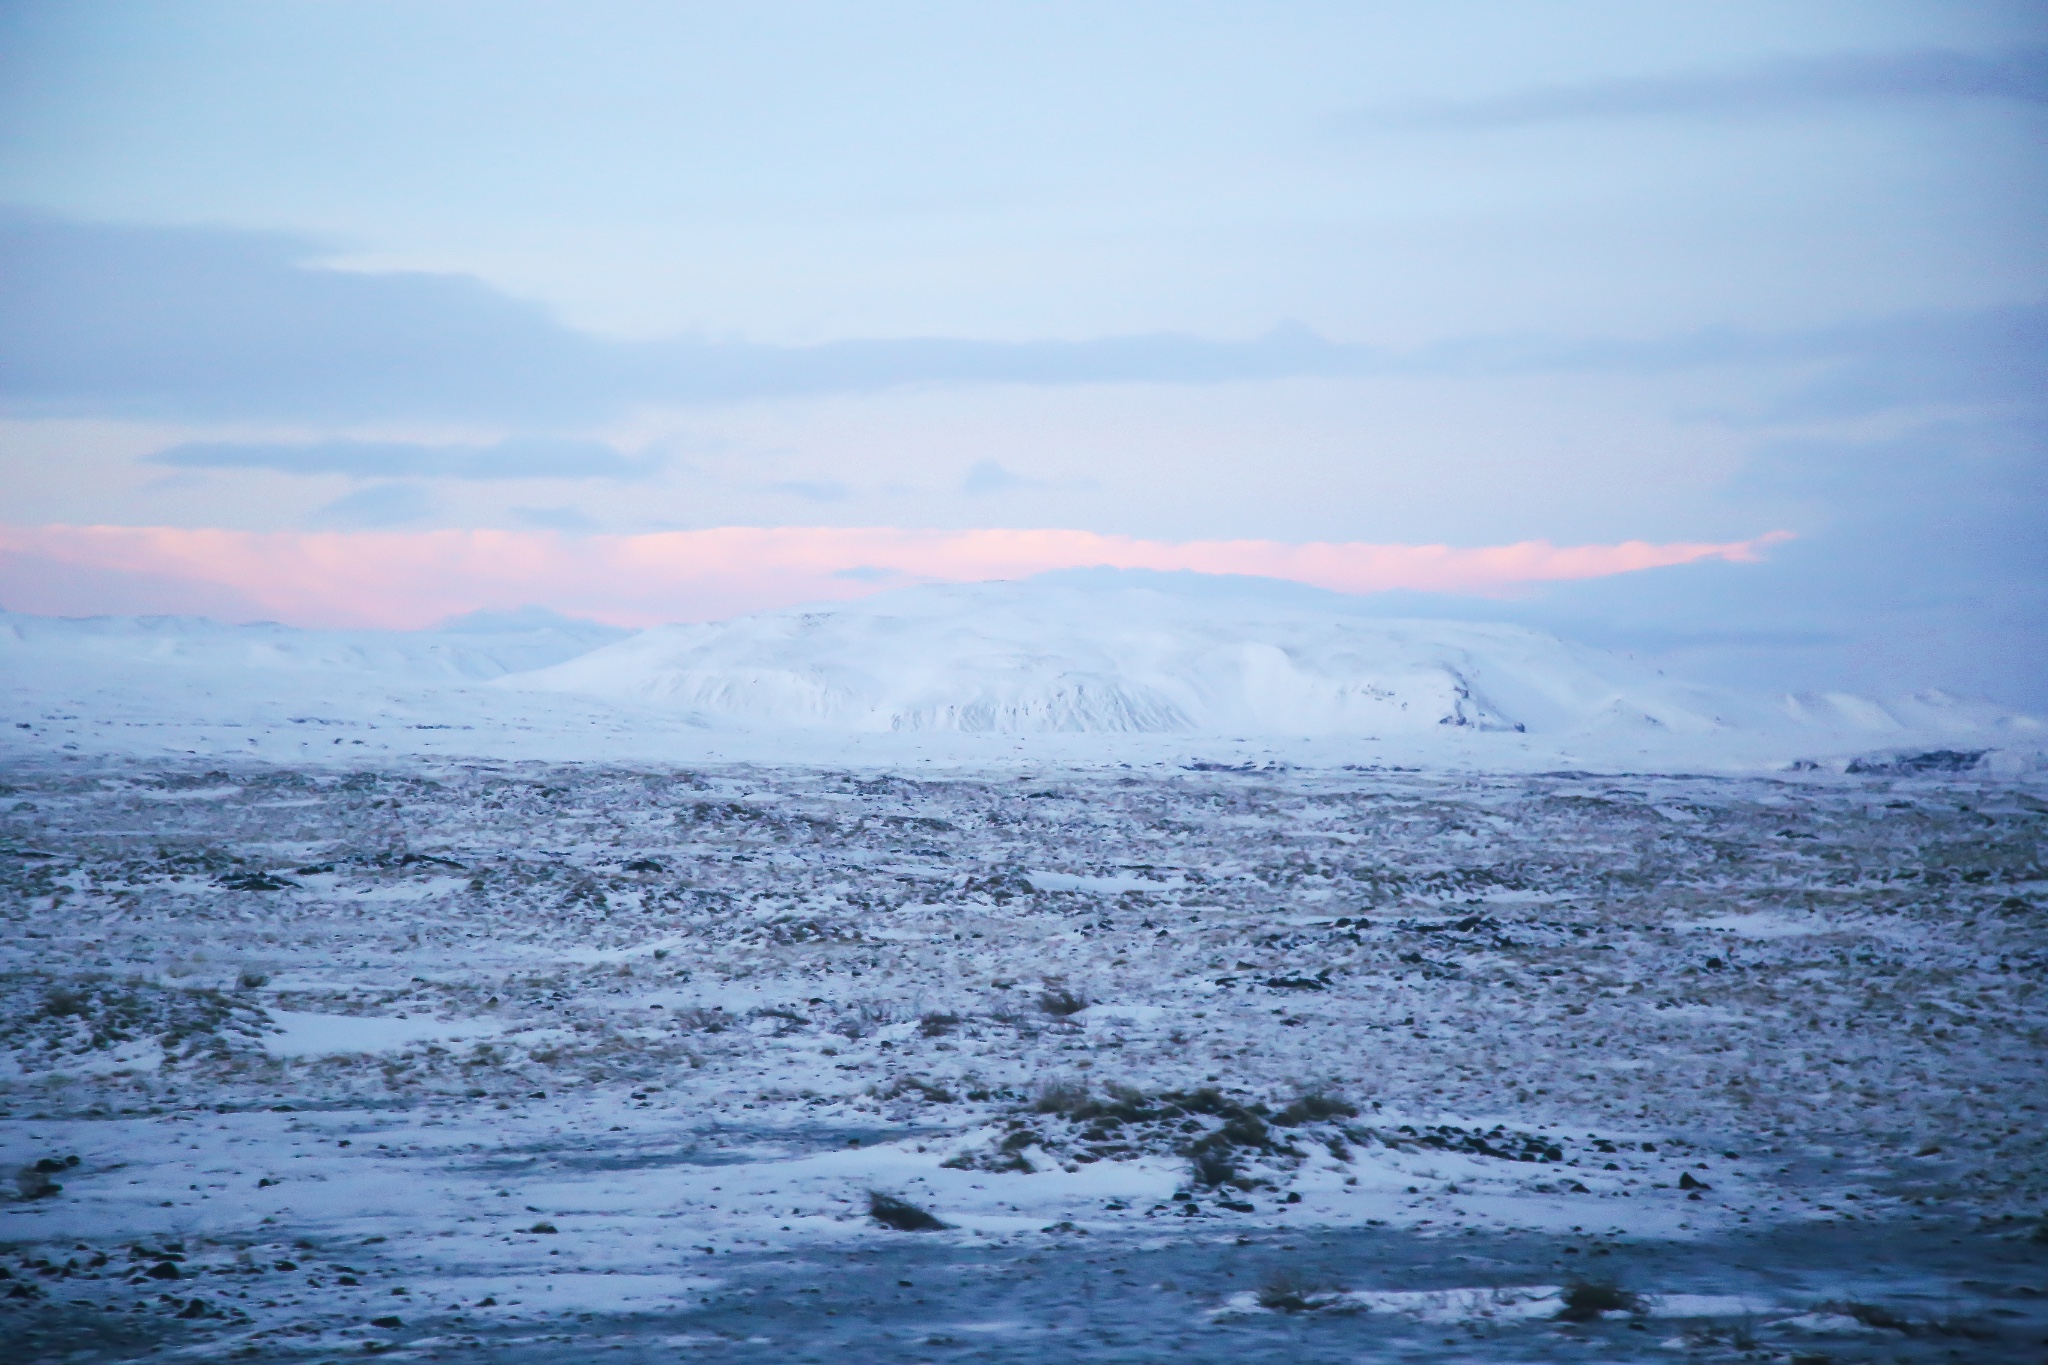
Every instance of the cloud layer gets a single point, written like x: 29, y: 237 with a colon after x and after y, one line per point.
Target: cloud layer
x: 411, y: 579
x: 1766, y: 88
x: 534, y: 457
x: 103, y: 320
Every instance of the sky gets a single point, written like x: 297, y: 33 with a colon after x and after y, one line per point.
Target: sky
x: 1715, y: 333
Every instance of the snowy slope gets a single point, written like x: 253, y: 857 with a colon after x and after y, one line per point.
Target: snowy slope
x: 475, y: 647
x: 1089, y: 667
x: 190, y: 686
x: 1172, y: 654
x: 1053, y: 656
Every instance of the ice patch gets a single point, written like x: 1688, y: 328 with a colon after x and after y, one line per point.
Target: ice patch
x: 1462, y: 1305
x: 1705, y: 1306
x: 1111, y: 886
x: 1831, y: 1324
x: 1764, y: 924
x: 326, y: 1035
x: 1511, y: 1304
x: 1113, y: 1015
x: 144, y: 1055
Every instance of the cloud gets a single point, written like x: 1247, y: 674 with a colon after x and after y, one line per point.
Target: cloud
x: 554, y: 518
x: 206, y: 323
x: 412, y: 578
x: 1923, y: 562
x: 380, y: 504
x: 1994, y: 355
x: 209, y: 324
x: 121, y: 320
x: 44, y: 586
x: 986, y: 478
x: 1788, y: 86
x: 531, y: 457
x: 513, y: 458
x: 1991, y: 355
x: 815, y: 490
x: 989, y: 477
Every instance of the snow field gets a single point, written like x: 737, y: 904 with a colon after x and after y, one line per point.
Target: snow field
x: 664, y: 1010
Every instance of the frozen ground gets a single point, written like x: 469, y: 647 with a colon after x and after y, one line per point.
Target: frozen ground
x: 454, y: 1059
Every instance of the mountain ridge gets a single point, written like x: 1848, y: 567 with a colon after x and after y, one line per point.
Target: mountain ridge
x: 1090, y: 665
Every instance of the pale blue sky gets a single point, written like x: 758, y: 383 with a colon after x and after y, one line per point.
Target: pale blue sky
x: 1461, y: 272
x: 809, y: 172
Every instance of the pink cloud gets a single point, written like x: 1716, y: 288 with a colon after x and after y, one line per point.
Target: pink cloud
x: 408, y: 579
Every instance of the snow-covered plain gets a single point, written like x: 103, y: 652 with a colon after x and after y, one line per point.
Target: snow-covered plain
x: 1289, y: 1065
x: 593, y: 1029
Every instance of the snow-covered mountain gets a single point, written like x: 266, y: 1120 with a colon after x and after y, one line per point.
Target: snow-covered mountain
x: 1191, y: 656
x: 477, y: 646
x: 1089, y: 663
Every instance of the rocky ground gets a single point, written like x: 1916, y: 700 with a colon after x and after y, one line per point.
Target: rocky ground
x: 456, y: 1059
